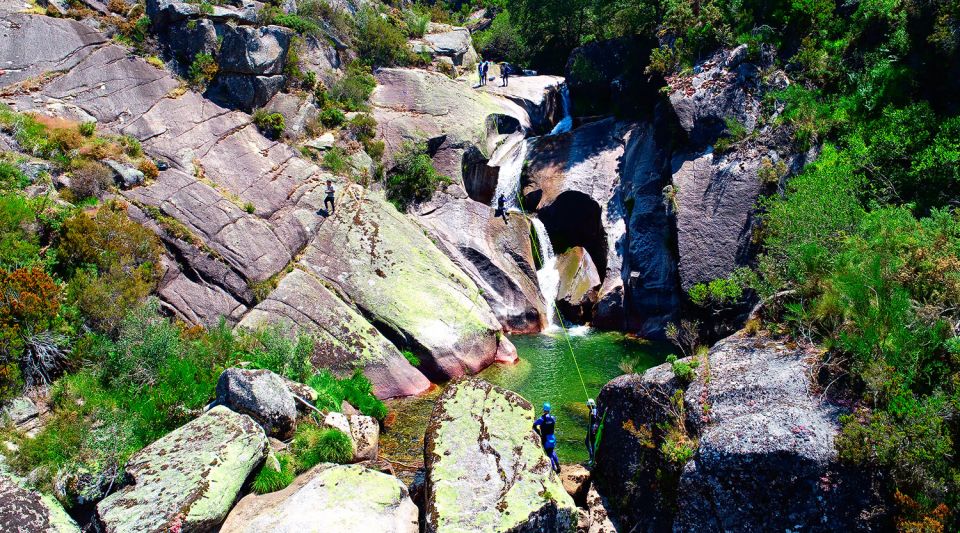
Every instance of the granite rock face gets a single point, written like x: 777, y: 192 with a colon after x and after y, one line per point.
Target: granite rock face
x: 189, y: 479
x: 765, y: 457
x: 329, y: 498
x: 22, y: 509
x: 579, y: 284
x: 485, y: 468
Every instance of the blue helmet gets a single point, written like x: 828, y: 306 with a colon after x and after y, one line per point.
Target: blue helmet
x: 546, y: 407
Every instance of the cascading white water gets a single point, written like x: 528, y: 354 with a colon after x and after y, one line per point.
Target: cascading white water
x: 548, y: 277
x: 566, y: 123
x: 508, y: 177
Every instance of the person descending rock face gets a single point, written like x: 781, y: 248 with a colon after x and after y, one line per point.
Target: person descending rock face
x: 544, y: 426
x: 592, y: 429
x: 330, y: 198
x: 502, y: 207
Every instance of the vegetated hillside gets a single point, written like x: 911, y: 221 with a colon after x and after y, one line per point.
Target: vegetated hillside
x: 861, y: 251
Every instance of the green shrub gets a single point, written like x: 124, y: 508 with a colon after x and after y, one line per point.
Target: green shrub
x: 19, y: 244
x: 416, y: 23
x: 356, y: 389
x: 274, y: 348
x: 413, y: 178
x: 363, y: 127
x: 354, y: 88
x: 720, y: 291
x: 272, y: 125
x: 11, y: 177
x: 501, y: 41
x: 268, y: 479
x: 202, y: 71
x: 313, y: 445
x: 411, y: 358
x: 87, y: 129
x: 332, y: 117
x: 335, y: 160
x: 378, y: 41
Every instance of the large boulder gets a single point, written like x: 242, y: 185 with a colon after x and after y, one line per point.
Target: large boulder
x: 22, y: 509
x: 579, y: 284
x: 260, y: 51
x: 764, y: 459
x: 343, y: 339
x: 382, y: 261
x: 599, y: 187
x: 329, y: 498
x: 486, y: 470
x: 188, y: 479
x: 497, y: 254
x: 715, y: 194
x: 462, y: 126
x: 263, y: 396
x: 443, y: 40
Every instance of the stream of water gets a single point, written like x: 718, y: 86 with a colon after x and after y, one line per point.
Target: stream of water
x: 566, y: 123
x: 548, y: 277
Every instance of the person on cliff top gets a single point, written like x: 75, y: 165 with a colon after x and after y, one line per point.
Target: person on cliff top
x: 592, y: 429
x: 330, y: 198
x: 502, y: 207
x: 544, y: 426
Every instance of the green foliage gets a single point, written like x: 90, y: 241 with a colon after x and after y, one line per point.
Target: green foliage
x: 684, y: 370
x: 19, y: 245
x: 416, y: 22
x: 275, y: 349
x: 11, y: 177
x: 501, y: 41
x: 353, y: 89
x: 335, y: 160
x: 720, y: 291
x: 271, y: 125
x: 411, y: 357
x: 413, y: 178
x: 357, y: 390
x: 378, y: 41
x: 313, y: 445
x: 202, y: 71
x: 332, y: 117
x: 87, y: 129
x: 269, y: 479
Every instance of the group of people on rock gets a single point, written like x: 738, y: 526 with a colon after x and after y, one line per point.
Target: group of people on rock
x: 483, y: 68
x: 545, y: 426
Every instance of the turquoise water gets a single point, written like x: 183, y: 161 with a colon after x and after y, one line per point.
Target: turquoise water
x: 547, y: 373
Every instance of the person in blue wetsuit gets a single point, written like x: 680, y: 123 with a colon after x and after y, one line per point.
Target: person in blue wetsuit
x: 544, y: 426
x: 592, y: 429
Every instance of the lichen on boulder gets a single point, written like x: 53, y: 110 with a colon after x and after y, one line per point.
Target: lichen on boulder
x: 22, y: 509
x: 190, y: 478
x: 485, y: 467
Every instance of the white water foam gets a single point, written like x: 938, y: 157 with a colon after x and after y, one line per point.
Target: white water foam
x: 548, y: 276
x: 566, y: 123
x: 508, y: 177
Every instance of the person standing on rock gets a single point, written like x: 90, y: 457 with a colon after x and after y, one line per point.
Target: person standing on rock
x: 482, y: 72
x: 502, y: 207
x: 592, y: 429
x: 330, y: 198
x: 545, y: 426
x: 505, y: 74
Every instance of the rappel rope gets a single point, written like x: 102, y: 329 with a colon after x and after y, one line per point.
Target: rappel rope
x: 556, y: 310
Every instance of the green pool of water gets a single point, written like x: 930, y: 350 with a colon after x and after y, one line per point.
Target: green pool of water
x: 545, y: 373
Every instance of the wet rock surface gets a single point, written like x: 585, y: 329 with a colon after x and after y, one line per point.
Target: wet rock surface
x: 485, y: 469
x: 579, y: 285
x: 189, y: 479
x: 329, y: 498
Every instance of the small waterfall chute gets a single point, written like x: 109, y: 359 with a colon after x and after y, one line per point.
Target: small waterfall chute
x: 566, y: 123
x: 508, y: 177
x: 548, y: 277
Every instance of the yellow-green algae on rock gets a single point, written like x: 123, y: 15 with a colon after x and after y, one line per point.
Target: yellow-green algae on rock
x: 23, y: 509
x: 330, y: 498
x: 192, y: 476
x: 486, y: 471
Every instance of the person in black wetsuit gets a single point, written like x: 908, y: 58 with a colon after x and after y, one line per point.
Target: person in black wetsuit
x: 502, y: 208
x: 545, y: 426
x: 592, y: 429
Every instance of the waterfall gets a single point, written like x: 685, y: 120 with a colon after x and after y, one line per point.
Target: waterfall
x: 508, y: 177
x: 566, y: 123
x: 548, y: 277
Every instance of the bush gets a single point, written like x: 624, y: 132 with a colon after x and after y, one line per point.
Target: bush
x: 413, y: 178
x: 272, y: 125
x: 501, y: 41
x: 718, y: 292
x: 416, y: 23
x: 354, y: 88
x: 332, y: 117
x: 11, y: 177
x: 87, y: 129
x: 89, y: 179
x: 269, y: 479
x: 356, y: 389
x: 378, y: 42
x: 29, y: 324
x: 313, y: 445
x: 363, y: 127
x: 202, y: 71
x: 335, y: 160
x: 19, y: 245
x: 274, y: 348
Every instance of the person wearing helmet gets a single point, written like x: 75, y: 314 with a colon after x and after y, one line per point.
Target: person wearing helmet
x: 592, y: 429
x: 544, y: 426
